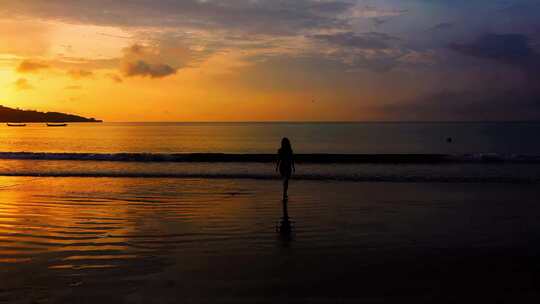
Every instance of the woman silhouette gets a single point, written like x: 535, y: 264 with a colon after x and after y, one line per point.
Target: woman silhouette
x: 285, y: 164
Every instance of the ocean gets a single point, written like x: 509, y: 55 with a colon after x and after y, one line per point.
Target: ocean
x: 341, y: 138
x: 163, y: 212
x: 400, y: 152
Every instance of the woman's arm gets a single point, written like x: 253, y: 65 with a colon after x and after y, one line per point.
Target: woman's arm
x: 277, y: 164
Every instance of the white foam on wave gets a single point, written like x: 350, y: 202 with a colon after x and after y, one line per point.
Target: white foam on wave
x: 307, y: 158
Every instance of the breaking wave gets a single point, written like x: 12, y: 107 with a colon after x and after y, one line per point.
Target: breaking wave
x: 265, y: 158
x: 478, y: 168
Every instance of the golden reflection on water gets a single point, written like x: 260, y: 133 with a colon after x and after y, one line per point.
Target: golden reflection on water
x: 141, y: 137
x: 88, y: 235
x: 63, y: 219
x: 85, y: 223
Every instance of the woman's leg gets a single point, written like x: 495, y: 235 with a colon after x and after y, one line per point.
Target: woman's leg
x: 285, y: 186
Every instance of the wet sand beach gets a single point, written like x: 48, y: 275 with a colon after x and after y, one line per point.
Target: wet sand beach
x: 169, y: 240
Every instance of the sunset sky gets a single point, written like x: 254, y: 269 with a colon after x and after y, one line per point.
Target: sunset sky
x: 251, y: 60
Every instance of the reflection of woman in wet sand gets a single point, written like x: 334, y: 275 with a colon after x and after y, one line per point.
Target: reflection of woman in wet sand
x: 285, y: 164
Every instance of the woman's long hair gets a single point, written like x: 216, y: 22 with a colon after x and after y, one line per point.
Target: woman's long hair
x: 286, y: 146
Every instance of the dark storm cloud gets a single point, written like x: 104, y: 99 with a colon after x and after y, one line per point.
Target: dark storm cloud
x: 506, y: 85
x: 512, y: 49
x: 524, y: 9
x: 370, y: 41
x: 474, y: 105
x: 142, y: 68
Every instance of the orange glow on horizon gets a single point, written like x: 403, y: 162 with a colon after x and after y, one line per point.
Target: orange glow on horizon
x: 78, y: 69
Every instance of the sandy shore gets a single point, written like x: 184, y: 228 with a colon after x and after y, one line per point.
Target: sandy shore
x: 126, y: 240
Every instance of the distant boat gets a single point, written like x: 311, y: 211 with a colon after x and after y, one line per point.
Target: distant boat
x: 56, y: 124
x: 16, y: 125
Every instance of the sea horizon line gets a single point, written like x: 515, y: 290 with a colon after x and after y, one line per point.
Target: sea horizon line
x: 327, y: 121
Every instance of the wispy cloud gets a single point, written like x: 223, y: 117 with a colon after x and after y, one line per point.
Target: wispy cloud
x: 142, y: 68
x: 151, y: 61
x: 449, y: 48
x: 114, y: 77
x: 22, y: 84
x: 29, y: 66
x: 79, y: 73
x: 442, y: 26
x: 371, y: 11
x: 244, y: 15
x: 369, y: 41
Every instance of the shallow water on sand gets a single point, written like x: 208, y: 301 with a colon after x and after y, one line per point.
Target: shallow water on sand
x: 157, y: 240
x: 367, y: 172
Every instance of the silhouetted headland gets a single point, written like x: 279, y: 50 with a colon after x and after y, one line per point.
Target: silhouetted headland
x: 18, y: 116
